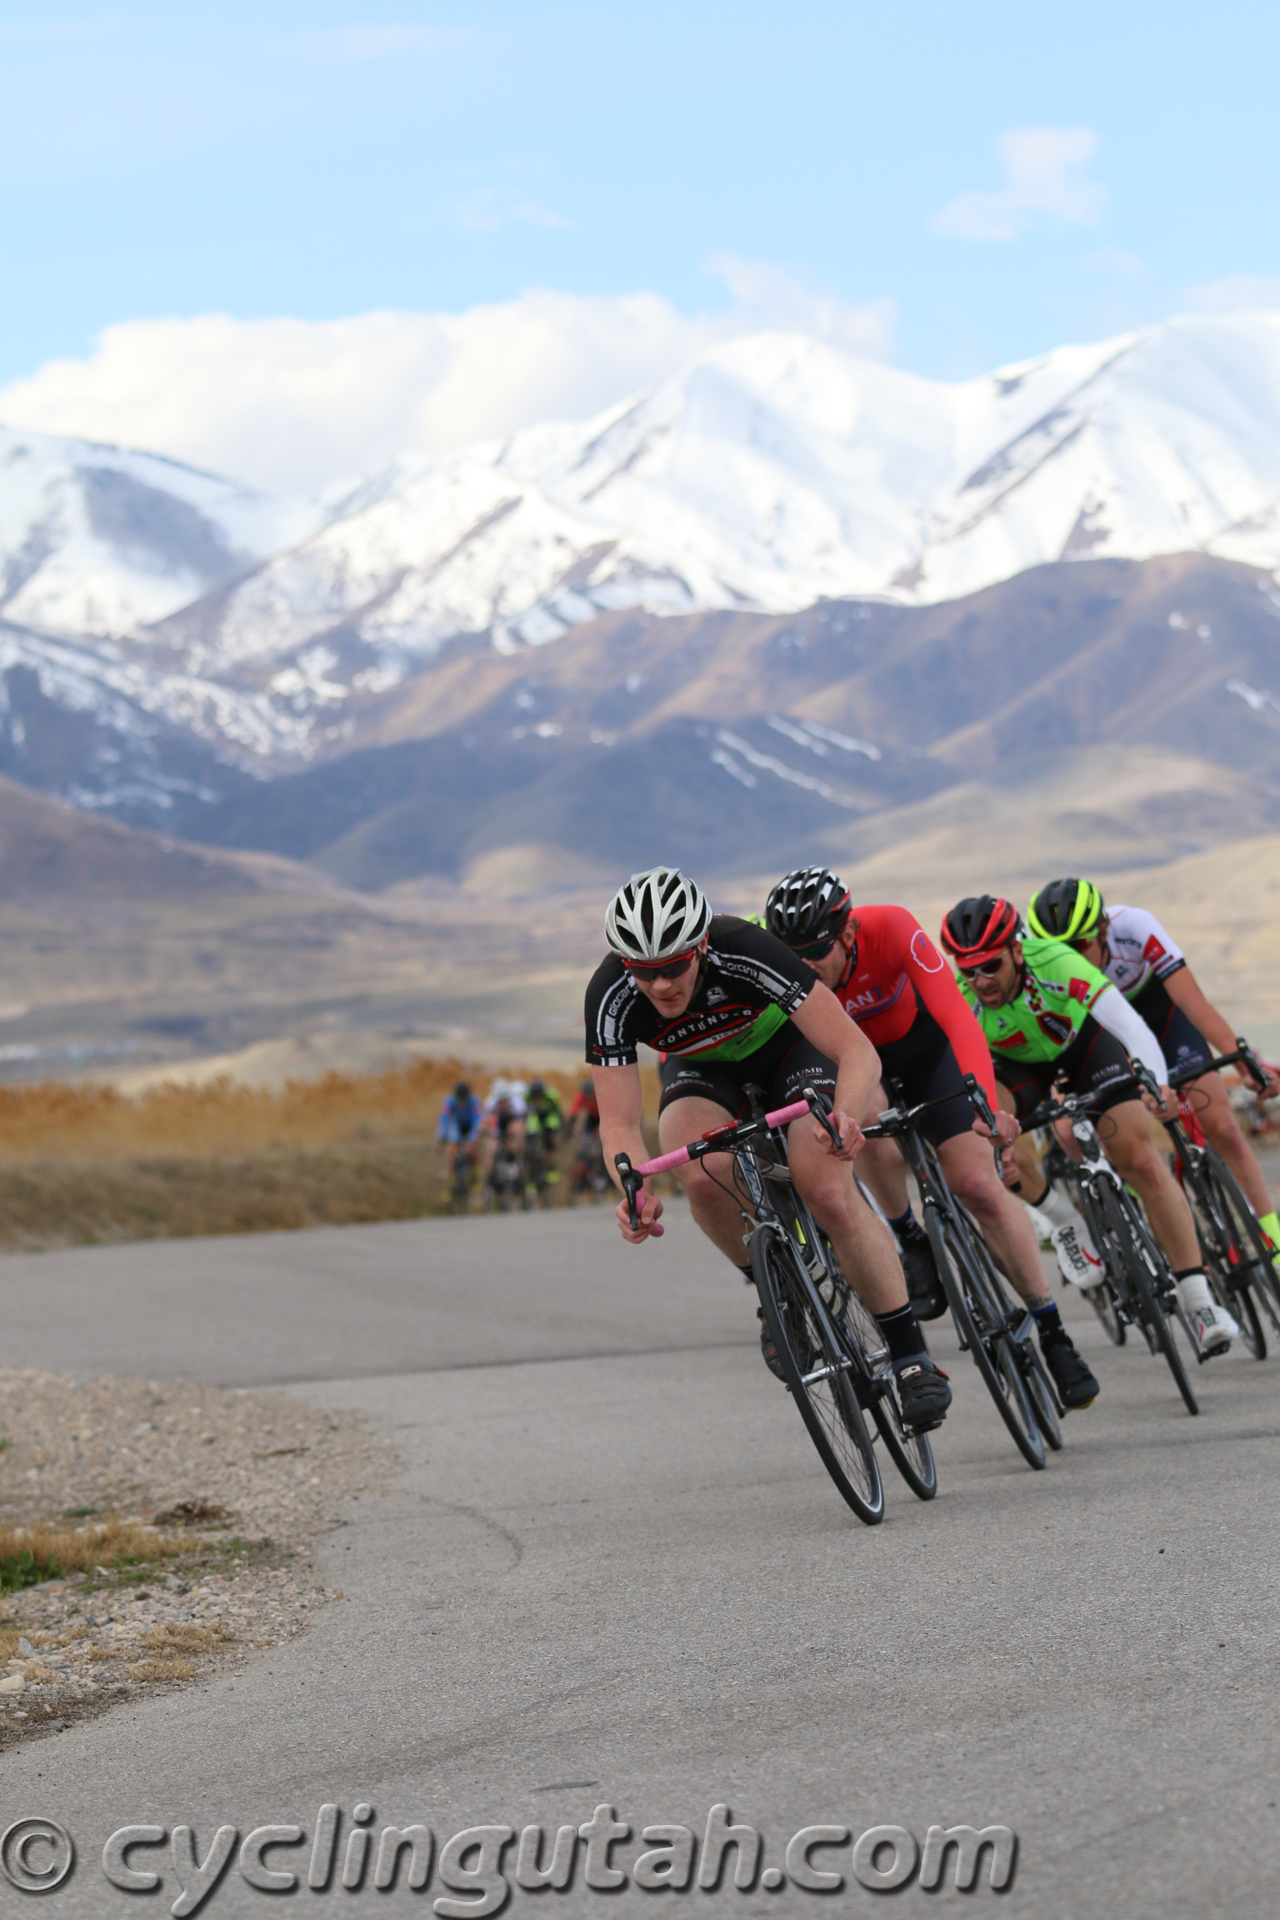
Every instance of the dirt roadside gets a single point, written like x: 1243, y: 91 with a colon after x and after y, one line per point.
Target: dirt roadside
x: 206, y: 1503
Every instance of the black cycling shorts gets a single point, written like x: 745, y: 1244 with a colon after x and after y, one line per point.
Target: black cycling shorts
x: 1180, y: 1041
x: 781, y: 1068
x: 924, y: 1065
x: 1095, y: 1064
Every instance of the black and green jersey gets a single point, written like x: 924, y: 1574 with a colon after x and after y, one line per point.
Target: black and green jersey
x: 1059, y: 989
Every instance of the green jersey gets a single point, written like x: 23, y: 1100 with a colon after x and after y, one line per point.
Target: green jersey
x: 1058, y: 990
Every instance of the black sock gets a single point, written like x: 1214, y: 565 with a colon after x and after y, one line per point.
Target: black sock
x: 1049, y: 1321
x: 905, y: 1226
x: 1039, y: 1199
x: 903, y: 1335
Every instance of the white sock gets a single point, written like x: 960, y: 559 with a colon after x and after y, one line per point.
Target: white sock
x: 1193, y: 1291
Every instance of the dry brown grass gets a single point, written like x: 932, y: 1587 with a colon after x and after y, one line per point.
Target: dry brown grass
x: 54, y: 1121
x: 183, y: 1637
x: 170, y: 1667
x: 109, y: 1543
x: 86, y: 1164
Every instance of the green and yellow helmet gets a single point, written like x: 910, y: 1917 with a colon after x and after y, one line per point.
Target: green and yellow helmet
x: 1067, y: 910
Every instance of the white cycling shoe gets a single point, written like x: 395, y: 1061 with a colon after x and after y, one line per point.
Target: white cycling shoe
x: 1214, y: 1329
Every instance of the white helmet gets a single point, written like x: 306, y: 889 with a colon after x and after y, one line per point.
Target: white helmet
x: 657, y: 914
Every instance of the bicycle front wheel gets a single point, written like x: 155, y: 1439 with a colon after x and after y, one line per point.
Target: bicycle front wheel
x: 1248, y: 1253
x: 817, y: 1373
x: 1132, y: 1246
x: 981, y: 1326
x: 910, y: 1452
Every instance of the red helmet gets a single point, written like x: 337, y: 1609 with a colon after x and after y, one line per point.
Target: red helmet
x: 978, y: 929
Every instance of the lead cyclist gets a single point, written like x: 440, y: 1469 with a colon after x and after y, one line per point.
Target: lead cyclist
x: 728, y: 1006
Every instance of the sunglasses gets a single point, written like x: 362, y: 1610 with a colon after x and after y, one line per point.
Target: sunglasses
x: 818, y: 951
x: 986, y: 969
x: 664, y: 969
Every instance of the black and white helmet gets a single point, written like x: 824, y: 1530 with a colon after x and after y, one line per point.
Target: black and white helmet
x: 657, y: 914
x: 807, y: 906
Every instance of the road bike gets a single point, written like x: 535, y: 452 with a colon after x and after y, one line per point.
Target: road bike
x: 1237, y: 1254
x: 1137, y: 1288
x: 991, y: 1322
x: 504, y: 1188
x: 832, y: 1352
x: 463, y: 1181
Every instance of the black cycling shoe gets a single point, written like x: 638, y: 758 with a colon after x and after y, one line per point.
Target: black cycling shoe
x: 924, y: 1288
x: 923, y: 1394
x: 1071, y: 1376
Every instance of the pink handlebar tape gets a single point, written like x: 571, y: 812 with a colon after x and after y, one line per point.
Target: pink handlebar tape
x: 666, y: 1161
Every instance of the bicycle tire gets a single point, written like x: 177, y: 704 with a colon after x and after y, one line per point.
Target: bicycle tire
x: 959, y: 1266
x: 910, y: 1452
x: 1133, y: 1247
x: 1242, y: 1222
x: 1101, y: 1297
x: 1227, y: 1267
x: 829, y: 1406
x: 1041, y: 1395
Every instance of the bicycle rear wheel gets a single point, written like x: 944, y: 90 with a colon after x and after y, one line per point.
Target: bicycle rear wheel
x: 1040, y: 1393
x: 817, y: 1374
x: 910, y: 1452
x: 981, y: 1326
x: 1131, y: 1245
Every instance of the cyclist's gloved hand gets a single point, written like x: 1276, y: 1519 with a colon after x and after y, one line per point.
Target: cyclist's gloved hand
x: 649, y: 1207
x: 851, y: 1136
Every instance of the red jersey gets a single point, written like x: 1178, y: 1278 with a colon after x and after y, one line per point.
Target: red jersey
x: 898, y: 971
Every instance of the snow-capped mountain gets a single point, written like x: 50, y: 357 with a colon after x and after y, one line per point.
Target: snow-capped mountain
x: 96, y: 540
x: 773, y: 472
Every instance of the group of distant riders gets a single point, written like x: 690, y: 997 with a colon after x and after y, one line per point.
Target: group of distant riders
x: 506, y: 1147
x: 856, y: 1004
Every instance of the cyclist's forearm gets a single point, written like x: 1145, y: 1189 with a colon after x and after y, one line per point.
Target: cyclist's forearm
x: 1187, y: 994
x: 1112, y: 1011
x: 628, y: 1140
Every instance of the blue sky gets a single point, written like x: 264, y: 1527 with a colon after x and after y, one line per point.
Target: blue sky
x: 987, y: 179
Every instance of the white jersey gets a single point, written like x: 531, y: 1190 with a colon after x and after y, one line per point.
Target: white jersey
x: 1140, y: 950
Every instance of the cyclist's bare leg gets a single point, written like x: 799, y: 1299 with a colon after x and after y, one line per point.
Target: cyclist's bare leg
x: 864, y: 1245
x: 1223, y: 1132
x: 717, y: 1212
x: 881, y: 1167
x: 969, y: 1167
x: 1132, y: 1151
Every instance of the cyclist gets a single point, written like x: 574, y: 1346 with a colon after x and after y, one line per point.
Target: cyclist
x: 543, y: 1115
x: 588, y: 1173
x: 728, y: 1006
x: 890, y: 978
x: 1131, y: 947
x: 461, y: 1121
x: 1049, y: 1015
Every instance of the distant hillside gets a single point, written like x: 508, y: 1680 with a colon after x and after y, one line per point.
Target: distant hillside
x: 731, y: 739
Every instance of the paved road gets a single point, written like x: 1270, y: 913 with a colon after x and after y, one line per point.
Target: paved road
x: 613, y: 1572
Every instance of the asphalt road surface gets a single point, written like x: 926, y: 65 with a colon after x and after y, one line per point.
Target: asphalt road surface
x: 613, y: 1573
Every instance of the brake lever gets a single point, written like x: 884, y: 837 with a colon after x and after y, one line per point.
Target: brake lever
x: 631, y: 1185
x: 821, y: 1113
x: 982, y: 1107
x: 1148, y: 1082
x: 1251, y: 1061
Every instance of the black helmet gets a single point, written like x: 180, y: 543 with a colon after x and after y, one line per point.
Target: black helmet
x: 979, y: 928
x: 462, y: 1091
x: 808, y: 906
x: 536, y: 1087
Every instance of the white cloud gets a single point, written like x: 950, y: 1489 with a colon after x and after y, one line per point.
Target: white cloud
x: 1238, y: 293
x: 770, y: 296
x: 1044, y: 175
x: 293, y: 405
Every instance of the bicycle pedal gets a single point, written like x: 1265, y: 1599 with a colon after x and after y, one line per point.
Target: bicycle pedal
x: 925, y: 1426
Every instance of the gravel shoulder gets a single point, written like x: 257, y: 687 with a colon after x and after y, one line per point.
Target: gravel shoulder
x: 232, y: 1487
